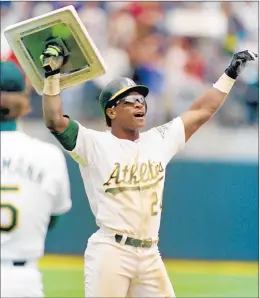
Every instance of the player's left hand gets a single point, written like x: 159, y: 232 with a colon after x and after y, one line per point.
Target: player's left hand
x: 52, y: 59
x: 239, y: 62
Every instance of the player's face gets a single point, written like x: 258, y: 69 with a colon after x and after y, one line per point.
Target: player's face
x: 130, y: 112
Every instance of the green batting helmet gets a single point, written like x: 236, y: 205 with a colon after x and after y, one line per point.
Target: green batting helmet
x: 119, y: 88
x: 11, y: 79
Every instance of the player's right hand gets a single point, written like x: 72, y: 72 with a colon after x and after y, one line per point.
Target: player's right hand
x: 239, y: 62
x: 52, y: 59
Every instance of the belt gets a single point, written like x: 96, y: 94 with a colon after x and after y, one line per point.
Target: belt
x: 19, y: 263
x: 147, y: 243
x: 13, y: 263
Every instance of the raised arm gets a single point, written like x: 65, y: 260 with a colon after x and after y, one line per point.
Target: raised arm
x: 52, y: 59
x: 52, y: 107
x: 63, y: 128
x: 210, y: 102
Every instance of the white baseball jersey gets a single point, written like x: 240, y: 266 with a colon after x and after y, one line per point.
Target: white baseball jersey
x: 34, y: 186
x: 123, y: 179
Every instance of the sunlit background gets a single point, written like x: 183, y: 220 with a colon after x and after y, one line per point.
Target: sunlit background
x: 209, y: 232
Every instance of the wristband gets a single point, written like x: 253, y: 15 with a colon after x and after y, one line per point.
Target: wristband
x: 224, y: 83
x: 51, y: 85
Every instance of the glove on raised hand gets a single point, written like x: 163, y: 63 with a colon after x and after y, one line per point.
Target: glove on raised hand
x: 52, y: 59
x: 239, y: 62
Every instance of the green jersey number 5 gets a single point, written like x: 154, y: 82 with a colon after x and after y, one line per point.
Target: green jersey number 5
x: 9, y: 213
x: 12, y: 217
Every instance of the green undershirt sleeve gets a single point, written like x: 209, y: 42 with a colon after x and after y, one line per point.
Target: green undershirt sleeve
x: 68, y: 137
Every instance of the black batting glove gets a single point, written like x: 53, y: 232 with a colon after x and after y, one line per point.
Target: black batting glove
x: 52, y: 59
x: 239, y: 62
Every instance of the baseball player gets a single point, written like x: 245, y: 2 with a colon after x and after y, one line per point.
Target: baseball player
x: 34, y: 191
x: 123, y: 171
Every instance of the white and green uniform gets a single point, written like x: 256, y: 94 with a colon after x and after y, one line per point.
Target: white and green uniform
x: 124, y: 183
x: 34, y: 186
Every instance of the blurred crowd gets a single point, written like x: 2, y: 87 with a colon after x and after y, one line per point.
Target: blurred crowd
x: 177, y: 49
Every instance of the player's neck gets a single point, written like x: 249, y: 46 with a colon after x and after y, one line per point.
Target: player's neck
x: 131, y: 135
x: 8, y: 125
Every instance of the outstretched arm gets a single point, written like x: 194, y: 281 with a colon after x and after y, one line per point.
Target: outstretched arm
x: 202, y: 110
x: 63, y: 128
x: 52, y: 105
x: 211, y: 101
x: 52, y: 59
x: 76, y: 139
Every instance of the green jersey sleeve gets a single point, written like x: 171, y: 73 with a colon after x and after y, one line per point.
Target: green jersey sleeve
x: 68, y: 137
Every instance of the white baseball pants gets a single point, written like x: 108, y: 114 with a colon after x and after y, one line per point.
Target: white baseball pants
x: 21, y: 281
x: 118, y: 270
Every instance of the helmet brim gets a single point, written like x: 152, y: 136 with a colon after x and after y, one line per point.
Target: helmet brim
x: 141, y: 89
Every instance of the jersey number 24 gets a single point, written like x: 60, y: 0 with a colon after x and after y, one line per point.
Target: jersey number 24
x: 156, y: 204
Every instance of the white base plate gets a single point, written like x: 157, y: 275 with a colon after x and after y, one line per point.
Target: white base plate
x: 27, y: 40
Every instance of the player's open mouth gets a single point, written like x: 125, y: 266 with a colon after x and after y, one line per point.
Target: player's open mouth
x: 139, y: 115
